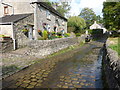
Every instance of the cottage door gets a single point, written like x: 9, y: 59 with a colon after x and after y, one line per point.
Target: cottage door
x: 30, y: 32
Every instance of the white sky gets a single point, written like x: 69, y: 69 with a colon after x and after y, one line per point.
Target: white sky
x: 77, y: 5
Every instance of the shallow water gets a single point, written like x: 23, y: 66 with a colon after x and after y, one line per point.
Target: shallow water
x: 79, y: 68
x: 83, y: 70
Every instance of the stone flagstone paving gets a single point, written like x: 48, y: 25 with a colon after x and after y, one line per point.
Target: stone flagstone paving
x: 74, y: 70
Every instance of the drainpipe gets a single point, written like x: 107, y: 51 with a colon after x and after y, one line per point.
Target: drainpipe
x: 35, y: 21
x: 13, y: 36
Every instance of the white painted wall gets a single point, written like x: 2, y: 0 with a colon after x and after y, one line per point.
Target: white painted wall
x: 19, y: 7
x: 6, y: 30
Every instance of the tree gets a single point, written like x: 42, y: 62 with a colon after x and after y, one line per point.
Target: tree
x: 99, y: 19
x: 111, y: 15
x: 112, y: 0
x: 77, y: 23
x: 62, y: 7
x: 88, y: 15
x: 48, y: 2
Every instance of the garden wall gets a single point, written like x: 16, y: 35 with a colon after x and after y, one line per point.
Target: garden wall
x: 6, y: 44
x: 45, y: 47
x: 111, y: 67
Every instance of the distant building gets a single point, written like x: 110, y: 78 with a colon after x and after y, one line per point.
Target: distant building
x: 97, y: 26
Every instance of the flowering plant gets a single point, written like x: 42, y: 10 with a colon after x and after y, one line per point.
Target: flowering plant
x: 39, y: 31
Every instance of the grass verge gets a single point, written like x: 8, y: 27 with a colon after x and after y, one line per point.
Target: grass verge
x: 66, y: 49
x: 115, y: 44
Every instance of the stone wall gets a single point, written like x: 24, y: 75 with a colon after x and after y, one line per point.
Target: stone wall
x: 20, y: 37
x: 42, y: 18
x: 45, y: 47
x: 6, y: 45
x: 111, y: 67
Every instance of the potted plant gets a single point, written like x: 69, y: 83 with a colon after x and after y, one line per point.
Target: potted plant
x: 24, y: 30
x: 40, y: 32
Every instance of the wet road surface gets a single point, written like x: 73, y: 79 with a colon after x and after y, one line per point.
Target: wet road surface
x: 80, y: 68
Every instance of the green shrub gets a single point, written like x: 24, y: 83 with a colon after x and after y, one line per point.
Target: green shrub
x: 70, y: 29
x: 24, y: 30
x: 78, y: 34
x: 89, y: 31
x: 41, y: 38
x: 2, y: 35
x: 97, y: 31
x: 67, y: 34
x: 45, y: 34
x: 59, y: 33
x: 53, y: 33
x: 115, y: 34
x: 60, y: 36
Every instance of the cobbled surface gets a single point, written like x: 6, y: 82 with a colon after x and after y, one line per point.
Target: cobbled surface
x: 75, y: 69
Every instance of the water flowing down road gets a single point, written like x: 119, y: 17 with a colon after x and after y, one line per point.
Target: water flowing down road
x: 80, y: 71
x: 79, y: 68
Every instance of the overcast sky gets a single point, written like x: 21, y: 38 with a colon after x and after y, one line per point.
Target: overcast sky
x: 77, y: 5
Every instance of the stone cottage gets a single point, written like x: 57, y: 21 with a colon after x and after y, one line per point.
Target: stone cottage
x: 22, y: 21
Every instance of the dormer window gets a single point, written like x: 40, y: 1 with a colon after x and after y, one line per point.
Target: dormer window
x: 48, y: 14
x: 6, y: 10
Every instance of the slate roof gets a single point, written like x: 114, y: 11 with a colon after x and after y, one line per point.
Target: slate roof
x: 51, y: 9
x: 13, y: 18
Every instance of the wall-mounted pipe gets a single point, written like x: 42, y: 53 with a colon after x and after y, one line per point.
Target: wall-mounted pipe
x: 13, y: 36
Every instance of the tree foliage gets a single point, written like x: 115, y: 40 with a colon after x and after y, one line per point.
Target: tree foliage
x: 111, y: 15
x: 99, y: 19
x: 77, y: 23
x: 88, y: 15
x: 62, y: 7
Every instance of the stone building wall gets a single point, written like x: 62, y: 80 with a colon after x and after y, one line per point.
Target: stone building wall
x: 42, y: 18
x: 21, y: 38
x: 111, y: 67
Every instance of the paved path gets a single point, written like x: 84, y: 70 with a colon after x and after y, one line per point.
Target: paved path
x: 79, y: 68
